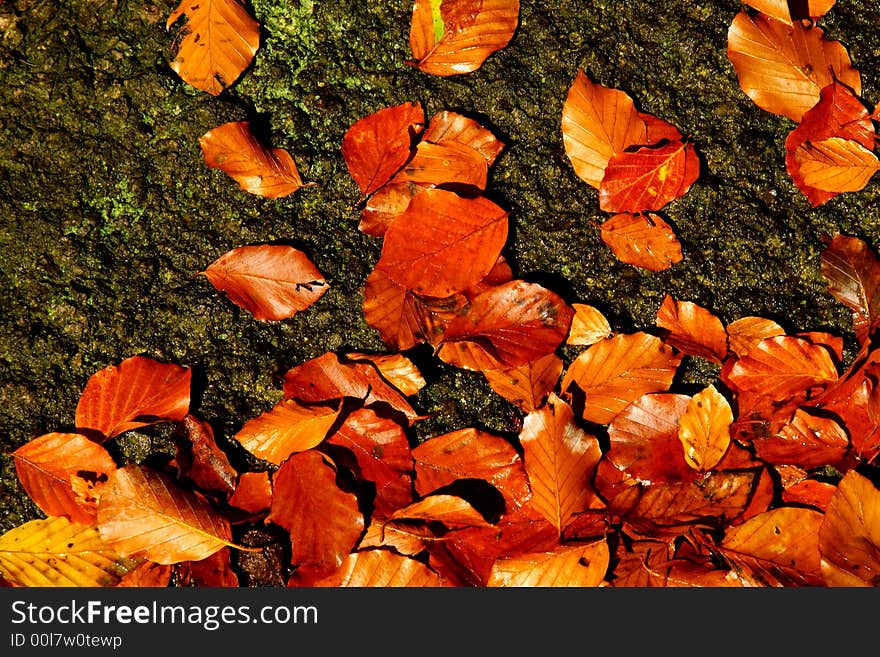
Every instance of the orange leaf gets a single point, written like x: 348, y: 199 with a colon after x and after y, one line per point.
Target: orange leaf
x: 443, y: 243
x: 451, y: 127
x: 658, y: 130
x: 143, y: 513
x: 784, y: 67
x: 287, y: 428
x: 746, y: 332
x: 471, y: 454
x: 693, y: 329
x: 199, y: 458
x: 852, y: 270
x: 214, y: 571
x: 588, y: 326
x: 323, y: 520
x: 63, y: 473
x: 404, y: 318
x: 642, y: 240
x: 148, y: 575
x: 577, y: 565
x: 704, y: 429
x: 381, y: 568
x: 253, y: 492
x: 326, y: 378
x: 835, y: 165
x: 397, y: 369
x: 655, y: 568
x: 786, y: 10
x: 617, y: 371
x: 560, y: 459
x: 386, y: 204
x: 272, y: 282
x: 452, y: 37
x: 649, y: 177
x: 811, y: 492
x: 216, y: 45
x: 643, y: 439
x: 779, y: 547
x: 849, y: 538
x: 807, y: 440
x: 258, y: 169
x: 449, y: 510
x: 447, y: 163
x: 507, y: 326
x: 527, y: 386
x: 382, y: 456
x: 598, y: 123
x: 138, y: 392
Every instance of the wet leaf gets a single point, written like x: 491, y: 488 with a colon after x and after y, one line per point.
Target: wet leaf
x: 615, y: 372
x: 650, y: 565
x: 783, y: 67
x: 448, y: 127
x: 381, y: 568
x: 397, y: 369
x: 214, y: 571
x: 137, y: 392
x: 215, y: 45
x: 451, y: 511
x: 746, y: 332
x: 576, y: 565
x: 448, y: 163
x: 527, y: 386
x: 835, y: 165
x: 642, y: 240
x: 560, y: 460
x: 597, y: 123
x: 63, y: 474
x: 588, y: 326
x: 323, y: 520
x: 849, y: 538
x: 253, y: 493
x: 810, y: 492
x: 471, y: 454
x: 648, y: 178
x: 789, y: 10
x: 257, y: 168
x: 200, y: 459
x: 271, y: 281
x: 507, y: 326
x: 55, y: 552
x: 807, y: 440
x: 693, y: 329
x: 143, y: 513
x: 378, y: 145
x: 852, y: 270
x: 443, y: 243
x: 287, y: 428
x: 453, y: 37
x: 704, y: 429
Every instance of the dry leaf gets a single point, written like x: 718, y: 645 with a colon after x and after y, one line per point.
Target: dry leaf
x: 381, y: 568
x: 704, y: 429
x: 849, y: 538
x: 527, y: 386
x: 575, y: 565
x: 693, y: 329
x: 642, y: 240
x: 588, y: 326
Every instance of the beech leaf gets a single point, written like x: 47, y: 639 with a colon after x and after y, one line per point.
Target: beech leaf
x: 704, y: 429
x: 381, y: 568
x: 448, y: 127
x: 746, y: 332
x: 693, y: 329
x: 852, y: 270
x: 792, y: 10
x: 642, y: 240
x: 575, y: 565
x: 807, y: 440
x: 588, y: 326
x: 836, y: 165
x: 527, y: 386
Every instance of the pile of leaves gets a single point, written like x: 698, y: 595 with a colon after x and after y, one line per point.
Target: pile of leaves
x: 618, y: 474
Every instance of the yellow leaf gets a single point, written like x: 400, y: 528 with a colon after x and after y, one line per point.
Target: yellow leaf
x: 704, y: 429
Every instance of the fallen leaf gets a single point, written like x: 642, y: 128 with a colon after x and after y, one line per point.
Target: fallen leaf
x: 253, y: 492
x: 55, y: 552
x: 257, y: 168
x: 137, y: 392
x: 849, y: 537
x: 453, y: 37
x: 287, y: 428
x: 746, y: 332
x: 693, y: 330
x: 447, y: 163
x: 270, y: 281
x: 215, y: 45
x: 48, y: 466
x: 597, y: 123
x: 214, y: 571
x: 615, y: 372
x: 648, y: 178
x: 704, y: 429
x: 382, y: 569
x: 575, y: 565
x: 509, y: 325
x: 810, y: 492
x: 835, y: 165
x: 527, y: 386
x: 200, y: 459
x: 451, y: 511
x: 397, y: 369
x: 443, y: 243
x: 451, y: 127
x: 783, y: 67
x: 588, y: 326
x: 808, y: 440
x: 792, y: 10
x: 642, y: 240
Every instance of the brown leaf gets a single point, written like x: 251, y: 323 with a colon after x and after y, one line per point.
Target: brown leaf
x: 527, y: 386
x: 215, y: 45
x: 253, y: 493
x: 746, y: 332
x: 453, y: 37
x: 810, y: 492
x: 788, y: 11
x: 377, y: 146
x: 852, y: 270
x: 598, y: 123
x: 214, y: 571
x: 576, y: 565
x: 448, y: 163
x: 471, y: 454
x: 257, y: 168
x: 443, y: 243
x: 849, y: 537
x: 451, y: 127
x: 143, y: 513
x: 323, y: 520
x: 272, y: 282
x: 693, y: 329
x: 287, y: 428
x: 784, y: 67
x: 651, y: 565
x: 381, y: 568
x: 508, y: 325
x: 642, y: 240
x: 200, y: 459
x: 48, y: 466
x: 451, y: 511
x: 137, y: 392
x: 397, y: 369
x: 617, y: 371
x: 807, y: 440
x: 704, y: 429
x: 560, y: 460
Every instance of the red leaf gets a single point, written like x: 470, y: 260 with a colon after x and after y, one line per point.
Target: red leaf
x: 451, y: 127
x: 199, y: 458
x: 138, y: 392
x: 852, y: 270
x: 253, y: 492
x: 693, y: 329
x: 272, y: 282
